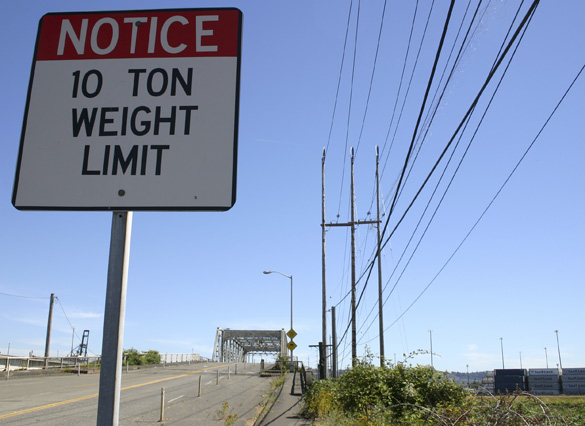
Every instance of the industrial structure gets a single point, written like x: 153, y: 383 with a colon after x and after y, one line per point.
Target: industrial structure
x: 236, y: 345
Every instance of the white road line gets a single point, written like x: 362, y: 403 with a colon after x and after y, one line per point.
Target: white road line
x: 174, y: 399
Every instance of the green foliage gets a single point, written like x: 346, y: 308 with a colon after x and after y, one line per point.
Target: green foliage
x: 282, y: 363
x: 321, y: 399
x: 225, y: 414
x: 406, y: 395
x: 133, y: 357
x: 152, y: 357
x: 383, y: 395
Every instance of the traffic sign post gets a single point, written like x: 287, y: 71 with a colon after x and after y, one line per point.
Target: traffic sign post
x: 130, y: 110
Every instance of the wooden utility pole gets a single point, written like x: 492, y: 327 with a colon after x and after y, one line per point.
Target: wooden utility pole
x: 379, y: 255
x: 333, y: 344
x: 49, y: 325
x: 323, y: 268
x: 353, y: 280
x: 353, y: 222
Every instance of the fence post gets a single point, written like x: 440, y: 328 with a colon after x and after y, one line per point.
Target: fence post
x: 162, y: 404
x: 217, y: 381
x: 228, y: 372
x: 199, y: 394
x: 236, y: 373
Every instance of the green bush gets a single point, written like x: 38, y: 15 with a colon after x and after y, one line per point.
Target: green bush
x: 133, y: 357
x: 152, y: 357
x: 386, y: 395
x: 406, y: 395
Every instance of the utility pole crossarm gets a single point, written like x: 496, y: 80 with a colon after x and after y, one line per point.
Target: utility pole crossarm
x: 359, y: 222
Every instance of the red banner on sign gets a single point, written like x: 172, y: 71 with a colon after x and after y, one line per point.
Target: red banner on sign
x: 160, y: 34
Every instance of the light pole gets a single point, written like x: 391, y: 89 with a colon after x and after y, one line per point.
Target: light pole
x: 291, y: 307
x: 559, y: 349
x: 502, y: 346
x: 520, y: 359
x: 431, y: 339
x: 546, y: 356
x: 72, y: 338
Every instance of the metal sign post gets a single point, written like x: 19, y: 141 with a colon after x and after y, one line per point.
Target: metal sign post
x: 130, y: 111
x: 112, y: 343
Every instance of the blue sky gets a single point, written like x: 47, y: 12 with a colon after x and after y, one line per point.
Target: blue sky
x: 518, y: 276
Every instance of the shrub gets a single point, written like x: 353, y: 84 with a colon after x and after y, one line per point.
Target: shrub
x: 133, y: 357
x: 406, y: 395
x: 152, y: 357
x: 384, y: 395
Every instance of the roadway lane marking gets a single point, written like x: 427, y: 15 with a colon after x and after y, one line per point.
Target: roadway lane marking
x: 83, y: 398
x: 44, y: 407
x: 174, y: 399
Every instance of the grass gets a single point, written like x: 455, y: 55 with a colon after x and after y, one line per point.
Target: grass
x: 568, y: 407
x: 505, y: 410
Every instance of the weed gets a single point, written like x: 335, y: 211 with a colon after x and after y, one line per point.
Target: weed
x: 222, y: 414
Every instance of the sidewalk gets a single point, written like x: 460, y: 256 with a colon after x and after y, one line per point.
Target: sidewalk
x: 285, y: 410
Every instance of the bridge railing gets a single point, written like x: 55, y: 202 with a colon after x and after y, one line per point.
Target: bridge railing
x: 15, y: 363
x: 171, y: 358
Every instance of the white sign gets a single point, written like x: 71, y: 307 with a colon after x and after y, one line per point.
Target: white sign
x: 132, y: 111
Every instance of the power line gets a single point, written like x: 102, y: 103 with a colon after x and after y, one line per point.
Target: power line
x: 339, y: 78
x: 494, y: 197
x: 355, y: 46
x: 496, y: 65
x: 22, y: 297
x: 372, y: 77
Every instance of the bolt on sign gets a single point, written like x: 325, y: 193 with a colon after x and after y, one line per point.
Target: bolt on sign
x: 132, y: 110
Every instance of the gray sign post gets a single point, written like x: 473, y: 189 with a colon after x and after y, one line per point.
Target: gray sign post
x: 138, y: 111
x: 113, y: 338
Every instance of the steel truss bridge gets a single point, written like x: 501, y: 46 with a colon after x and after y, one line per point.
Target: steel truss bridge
x: 236, y: 345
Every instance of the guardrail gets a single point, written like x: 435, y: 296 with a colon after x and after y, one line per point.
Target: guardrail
x: 182, y: 358
x: 15, y: 363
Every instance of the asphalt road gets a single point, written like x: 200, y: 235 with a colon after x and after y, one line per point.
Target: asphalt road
x: 72, y: 400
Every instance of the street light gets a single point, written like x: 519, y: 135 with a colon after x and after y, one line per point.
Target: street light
x: 520, y: 359
x: 502, y: 347
x: 72, y: 338
x: 431, y: 339
x: 559, y: 349
x: 291, y: 307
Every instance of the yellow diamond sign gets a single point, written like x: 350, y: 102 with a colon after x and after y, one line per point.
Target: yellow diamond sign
x: 291, y: 333
x: 291, y: 345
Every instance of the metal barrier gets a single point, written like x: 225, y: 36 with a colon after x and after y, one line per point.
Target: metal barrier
x: 15, y: 363
x: 182, y: 358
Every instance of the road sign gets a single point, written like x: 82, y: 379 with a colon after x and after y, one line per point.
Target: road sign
x: 132, y: 110
x: 291, y: 345
x: 291, y: 333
